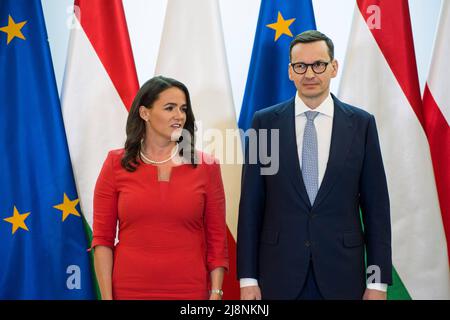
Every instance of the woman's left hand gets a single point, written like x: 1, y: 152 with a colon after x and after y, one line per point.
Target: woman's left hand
x: 215, y: 296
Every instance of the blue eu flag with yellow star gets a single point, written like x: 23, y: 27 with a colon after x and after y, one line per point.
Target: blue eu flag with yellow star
x: 268, y: 83
x: 43, y: 245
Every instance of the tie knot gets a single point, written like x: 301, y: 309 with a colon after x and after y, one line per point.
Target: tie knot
x: 311, y: 115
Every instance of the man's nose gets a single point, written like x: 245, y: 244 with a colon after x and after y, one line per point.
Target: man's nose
x: 309, y: 73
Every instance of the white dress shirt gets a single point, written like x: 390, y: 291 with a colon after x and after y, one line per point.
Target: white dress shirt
x: 323, y: 123
x: 324, y: 126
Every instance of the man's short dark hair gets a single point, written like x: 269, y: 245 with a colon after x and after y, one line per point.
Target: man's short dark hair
x: 312, y: 36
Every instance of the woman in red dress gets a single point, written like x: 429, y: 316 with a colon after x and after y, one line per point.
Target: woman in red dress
x: 168, y: 201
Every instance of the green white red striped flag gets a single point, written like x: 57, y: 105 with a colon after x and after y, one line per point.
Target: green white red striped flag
x: 380, y: 76
x: 100, y: 83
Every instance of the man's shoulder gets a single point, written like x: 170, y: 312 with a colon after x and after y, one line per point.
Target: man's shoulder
x: 275, y: 109
x: 358, y: 111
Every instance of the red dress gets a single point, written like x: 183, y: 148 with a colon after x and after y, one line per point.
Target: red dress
x: 171, y: 234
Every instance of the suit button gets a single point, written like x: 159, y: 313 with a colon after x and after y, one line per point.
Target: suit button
x: 313, y: 216
x: 307, y: 244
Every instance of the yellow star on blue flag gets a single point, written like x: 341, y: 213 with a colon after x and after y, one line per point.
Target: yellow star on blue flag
x: 13, y: 30
x: 18, y: 220
x: 68, y: 207
x: 281, y: 26
x: 267, y: 81
x: 43, y: 259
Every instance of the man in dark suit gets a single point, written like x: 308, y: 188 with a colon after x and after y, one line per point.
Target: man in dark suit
x: 300, y: 232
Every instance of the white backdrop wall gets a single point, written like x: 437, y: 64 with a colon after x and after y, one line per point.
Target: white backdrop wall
x: 239, y: 18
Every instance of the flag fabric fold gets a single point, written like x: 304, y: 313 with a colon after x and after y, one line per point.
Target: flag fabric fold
x: 380, y: 76
x: 43, y: 245
x: 436, y: 112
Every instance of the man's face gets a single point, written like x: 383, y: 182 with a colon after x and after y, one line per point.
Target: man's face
x: 310, y: 84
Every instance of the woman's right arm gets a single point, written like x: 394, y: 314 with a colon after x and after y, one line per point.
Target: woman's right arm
x: 104, y: 228
x: 103, y: 263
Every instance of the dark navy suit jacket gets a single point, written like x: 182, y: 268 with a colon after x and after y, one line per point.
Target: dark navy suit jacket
x: 279, y: 232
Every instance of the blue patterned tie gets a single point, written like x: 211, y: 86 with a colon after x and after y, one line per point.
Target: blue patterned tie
x: 310, y: 161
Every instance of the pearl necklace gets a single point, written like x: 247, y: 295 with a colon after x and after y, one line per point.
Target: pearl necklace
x: 162, y: 161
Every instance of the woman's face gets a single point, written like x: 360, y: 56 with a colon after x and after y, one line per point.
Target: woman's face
x: 167, y: 115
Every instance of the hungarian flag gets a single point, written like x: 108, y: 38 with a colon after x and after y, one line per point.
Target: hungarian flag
x: 380, y: 76
x: 436, y: 113
x: 100, y: 83
x: 192, y: 51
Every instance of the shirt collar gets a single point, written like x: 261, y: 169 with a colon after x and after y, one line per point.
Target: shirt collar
x: 326, y: 107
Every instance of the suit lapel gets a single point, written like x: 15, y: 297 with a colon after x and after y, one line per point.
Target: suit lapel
x: 288, y: 148
x: 341, y: 139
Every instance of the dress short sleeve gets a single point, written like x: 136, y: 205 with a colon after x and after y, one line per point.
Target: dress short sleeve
x: 105, y: 205
x: 215, y: 220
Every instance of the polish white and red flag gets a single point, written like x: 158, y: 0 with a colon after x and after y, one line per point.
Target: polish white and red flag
x: 192, y: 50
x: 436, y: 114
